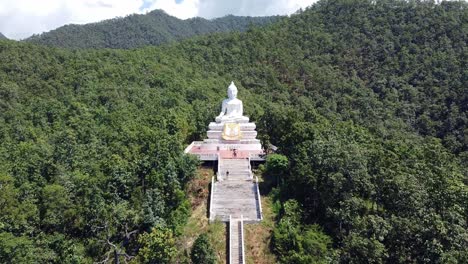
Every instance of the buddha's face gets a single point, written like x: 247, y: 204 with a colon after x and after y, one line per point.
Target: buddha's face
x: 232, y: 92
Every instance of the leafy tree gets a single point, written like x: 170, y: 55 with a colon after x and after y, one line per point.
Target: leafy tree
x: 276, y: 165
x: 157, y: 246
x: 295, y: 243
x: 56, y: 210
x: 21, y: 249
x: 202, y: 251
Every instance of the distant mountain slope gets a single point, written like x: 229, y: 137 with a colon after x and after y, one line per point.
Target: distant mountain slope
x: 2, y: 36
x: 134, y: 31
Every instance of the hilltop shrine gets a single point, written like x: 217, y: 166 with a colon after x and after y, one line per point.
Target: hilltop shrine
x: 230, y: 136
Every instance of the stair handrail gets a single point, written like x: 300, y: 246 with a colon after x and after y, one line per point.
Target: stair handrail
x: 211, y: 199
x: 250, y: 170
x: 189, y: 147
x: 242, y: 239
x: 230, y: 239
x: 259, y: 201
x: 219, y: 175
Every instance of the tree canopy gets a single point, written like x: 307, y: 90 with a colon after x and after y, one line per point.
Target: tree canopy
x: 134, y: 31
x: 366, y: 101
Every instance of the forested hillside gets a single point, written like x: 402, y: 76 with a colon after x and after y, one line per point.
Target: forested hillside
x: 366, y: 101
x: 2, y: 36
x: 133, y: 31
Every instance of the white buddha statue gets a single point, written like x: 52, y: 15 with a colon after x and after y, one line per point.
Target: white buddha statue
x: 232, y: 109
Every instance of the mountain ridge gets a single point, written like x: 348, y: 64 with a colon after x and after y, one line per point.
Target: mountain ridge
x: 134, y: 31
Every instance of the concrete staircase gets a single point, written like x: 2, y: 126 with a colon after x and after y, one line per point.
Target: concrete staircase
x: 236, y: 245
x: 237, y: 194
x: 234, y: 198
x: 235, y: 169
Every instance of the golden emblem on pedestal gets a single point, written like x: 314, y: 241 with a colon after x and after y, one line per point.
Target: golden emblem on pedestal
x: 231, y: 131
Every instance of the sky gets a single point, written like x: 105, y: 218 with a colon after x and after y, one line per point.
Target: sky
x: 20, y: 19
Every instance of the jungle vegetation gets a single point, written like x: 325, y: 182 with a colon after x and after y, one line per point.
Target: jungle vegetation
x: 367, y: 102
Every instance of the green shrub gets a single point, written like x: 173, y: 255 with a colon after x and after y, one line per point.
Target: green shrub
x: 202, y: 251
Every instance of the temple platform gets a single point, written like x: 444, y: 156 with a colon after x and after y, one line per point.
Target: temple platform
x: 212, y: 151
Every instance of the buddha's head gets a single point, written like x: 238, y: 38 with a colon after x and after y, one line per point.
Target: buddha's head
x: 232, y: 91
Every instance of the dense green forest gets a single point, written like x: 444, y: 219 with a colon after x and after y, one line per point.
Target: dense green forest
x: 367, y: 102
x: 133, y: 31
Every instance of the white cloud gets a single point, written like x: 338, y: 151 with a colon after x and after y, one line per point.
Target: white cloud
x: 217, y: 8
x: 22, y: 18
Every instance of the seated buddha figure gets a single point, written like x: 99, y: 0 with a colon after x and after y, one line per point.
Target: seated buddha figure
x: 232, y: 109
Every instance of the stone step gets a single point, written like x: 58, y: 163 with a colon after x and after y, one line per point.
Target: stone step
x: 214, y: 134
x: 232, y: 195
x: 235, y: 198
x: 235, y: 161
x: 236, y: 176
x: 220, y: 126
x: 239, y: 204
x: 232, y: 172
x: 233, y: 166
x: 241, y: 187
